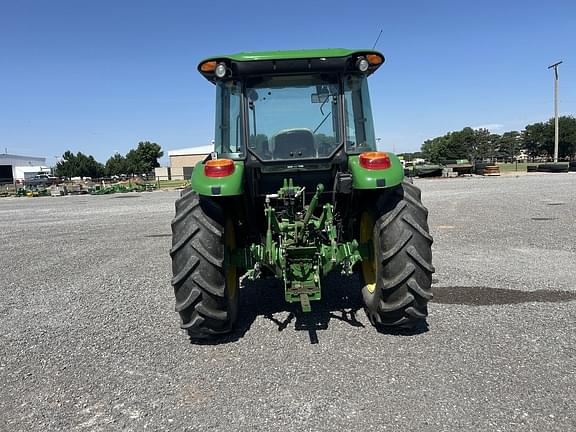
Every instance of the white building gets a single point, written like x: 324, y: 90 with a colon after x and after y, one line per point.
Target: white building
x: 188, y: 157
x: 19, y: 168
x: 182, y: 162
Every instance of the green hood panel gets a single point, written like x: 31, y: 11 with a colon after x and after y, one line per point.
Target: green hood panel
x: 218, y: 186
x: 363, y: 178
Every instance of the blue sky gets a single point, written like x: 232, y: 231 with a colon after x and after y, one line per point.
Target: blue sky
x: 99, y: 76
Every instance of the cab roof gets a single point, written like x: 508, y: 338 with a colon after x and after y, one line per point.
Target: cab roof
x: 321, y: 60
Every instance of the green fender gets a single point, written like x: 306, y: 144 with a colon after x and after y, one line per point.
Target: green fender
x: 363, y: 178
x: 218, y: 186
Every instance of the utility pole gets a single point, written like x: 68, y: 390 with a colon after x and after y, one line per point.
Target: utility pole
x: 555, y: 66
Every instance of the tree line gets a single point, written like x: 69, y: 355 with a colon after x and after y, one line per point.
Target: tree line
x: 140, y: 160
x: 536, y: 139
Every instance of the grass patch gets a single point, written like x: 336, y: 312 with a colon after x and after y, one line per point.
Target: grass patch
x: 173, y: 183
x: 511, y: 167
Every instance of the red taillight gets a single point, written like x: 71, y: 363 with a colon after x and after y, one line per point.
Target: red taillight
x: 375, y: 160
x: 219, y: 168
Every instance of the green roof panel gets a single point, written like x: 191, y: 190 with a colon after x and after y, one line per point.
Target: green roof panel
x: 289, y: 61
x: 291, y: 54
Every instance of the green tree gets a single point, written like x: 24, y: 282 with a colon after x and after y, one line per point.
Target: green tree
x: 454, y: 145
x: 148, y: 154
x: 435, y: 149
x: 462, y: 144
x: 566, y: 136
x: 411, y: 156
x: 510, y: 144
x: 537, y: 139
x: 134, y: 164
x: 79, y: 165
x: 486, y: 144
x: 116, y: 165
x: 140, y: 160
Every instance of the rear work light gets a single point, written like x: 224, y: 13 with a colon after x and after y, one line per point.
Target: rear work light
x: 375, y: 160
x: 362, y: 64
x: 219, y: 168
x: 221, y: 70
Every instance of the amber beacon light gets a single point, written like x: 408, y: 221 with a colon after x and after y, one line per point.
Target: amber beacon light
x: 374, y: 59
x: 208, y: 66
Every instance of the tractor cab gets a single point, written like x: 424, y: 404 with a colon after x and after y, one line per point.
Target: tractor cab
x: 304, y: 111
x: 299, y: 106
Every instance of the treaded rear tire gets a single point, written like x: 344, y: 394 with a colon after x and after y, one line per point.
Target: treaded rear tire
x: 203, y: 299
x: 403, y: 260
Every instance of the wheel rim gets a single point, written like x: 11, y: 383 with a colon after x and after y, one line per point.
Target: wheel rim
x: 368, y: 265
x: 231, y: 272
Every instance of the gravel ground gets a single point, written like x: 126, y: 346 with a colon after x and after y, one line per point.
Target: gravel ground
x: 89, y: 339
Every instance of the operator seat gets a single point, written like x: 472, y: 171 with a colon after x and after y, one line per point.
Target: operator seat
x: 293, y: 144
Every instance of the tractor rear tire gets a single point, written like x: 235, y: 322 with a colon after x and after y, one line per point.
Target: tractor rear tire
x: 205, y: 284
x: 402, y: 266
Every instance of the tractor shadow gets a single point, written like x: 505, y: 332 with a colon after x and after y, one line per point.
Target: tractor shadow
x: 342, y: 301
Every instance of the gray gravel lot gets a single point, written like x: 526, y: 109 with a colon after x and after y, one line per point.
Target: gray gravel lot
x: 89, y: 339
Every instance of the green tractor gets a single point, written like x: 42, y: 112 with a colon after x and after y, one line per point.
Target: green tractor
x: 295, y: 189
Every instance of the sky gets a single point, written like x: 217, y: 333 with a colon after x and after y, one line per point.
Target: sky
x: 100, y: 76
